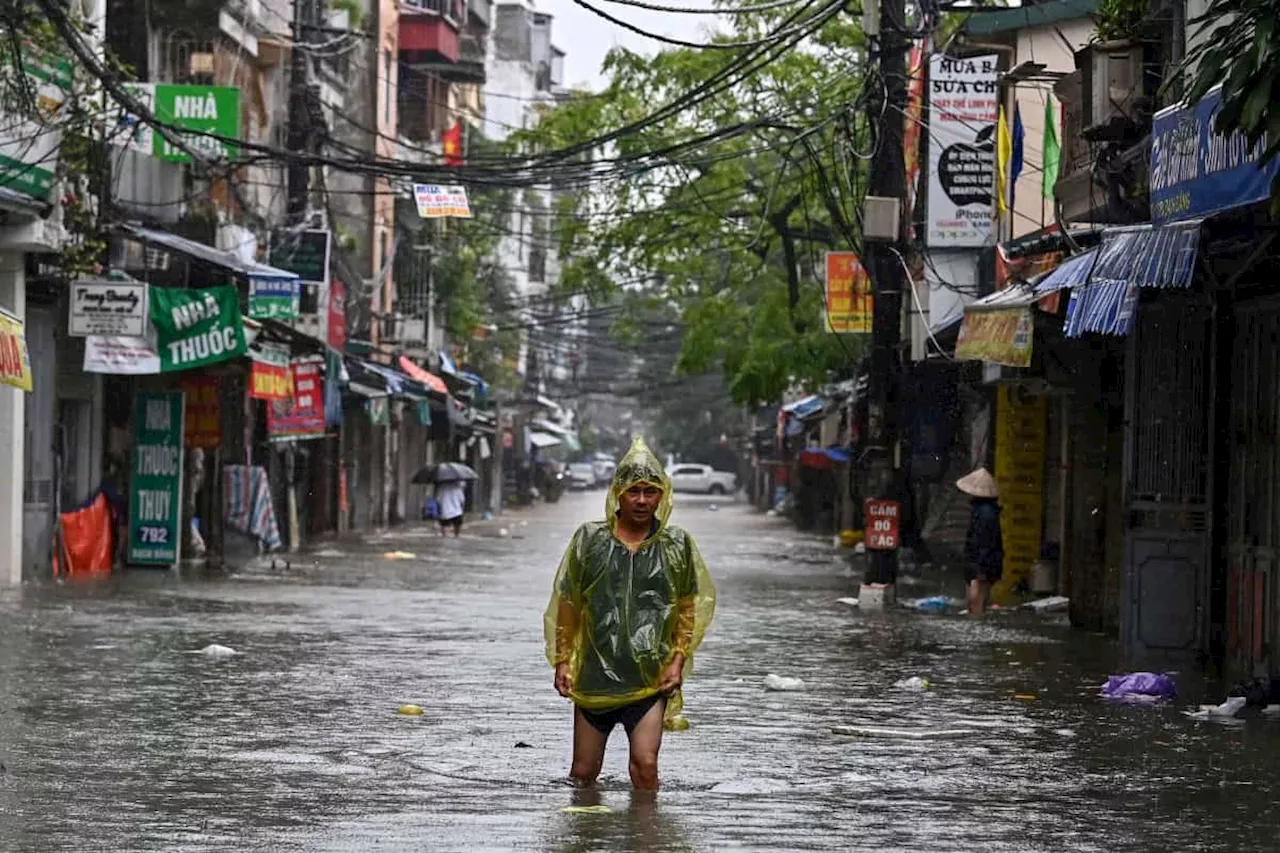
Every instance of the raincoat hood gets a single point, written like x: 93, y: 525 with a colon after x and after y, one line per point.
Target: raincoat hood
x: 640, y: 465
x: 619, y: 615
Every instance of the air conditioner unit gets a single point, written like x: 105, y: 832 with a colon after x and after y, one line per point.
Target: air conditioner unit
x: 1113, y: 84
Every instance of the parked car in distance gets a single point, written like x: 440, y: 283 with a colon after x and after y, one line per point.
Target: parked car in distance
x: 703, y: 479
x: 582, y: 475
x: 604, y: 465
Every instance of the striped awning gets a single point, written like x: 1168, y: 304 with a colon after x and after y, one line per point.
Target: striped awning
x: 1105, y: 308
x: 1073, y: 272
x: 1147, y: 256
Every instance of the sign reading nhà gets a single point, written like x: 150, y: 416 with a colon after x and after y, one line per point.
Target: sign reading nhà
x: 1196, y: 171
x: 103, y: 307
x: 962, y: 132
x: 881, y: 521
x: 850, y: 303
x: 196, y: 327
x: 212, y: 110
x: 155, y: 486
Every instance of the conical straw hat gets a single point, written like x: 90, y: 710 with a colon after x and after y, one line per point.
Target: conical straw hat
x: 979, y: 483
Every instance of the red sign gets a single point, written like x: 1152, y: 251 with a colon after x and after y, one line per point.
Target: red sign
x: 203, y: 412
x: 303, y: 416
x: 337, y: 332
x: 881, y: 524
x: 270, y: 382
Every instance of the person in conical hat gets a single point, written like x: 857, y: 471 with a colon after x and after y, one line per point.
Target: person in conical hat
x: 983, y: 544
x: 632, y: 601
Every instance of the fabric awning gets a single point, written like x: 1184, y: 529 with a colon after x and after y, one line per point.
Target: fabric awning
x: 413, y: 371
x: 805, y: 408
x: 1149, y: 256
x: 208, y: 254
x: 366, y: 390
x: 1073, y: 272
x: 1129, y: 259
x: 542, y: 439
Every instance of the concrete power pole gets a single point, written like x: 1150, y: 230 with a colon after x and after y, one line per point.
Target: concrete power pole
x: 888, y: 276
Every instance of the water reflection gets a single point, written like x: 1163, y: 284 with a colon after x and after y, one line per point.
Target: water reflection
x: 637, y: 822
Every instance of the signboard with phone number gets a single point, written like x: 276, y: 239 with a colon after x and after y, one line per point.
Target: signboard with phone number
x: 155, y: 483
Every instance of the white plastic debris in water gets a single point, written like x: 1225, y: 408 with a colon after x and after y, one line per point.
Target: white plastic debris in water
x: 713, y: 508
x: 852, y: 602
x: 1065, y: 732
x: 782, y: 683
x: 503, y: 533
x: 1219, y: 713
x: 1052, y: 604
x: 213, y: 651
x: 399, y: 555
x: 915, y: 682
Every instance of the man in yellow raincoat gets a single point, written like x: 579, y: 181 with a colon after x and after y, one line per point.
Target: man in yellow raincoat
x: 631, y: 603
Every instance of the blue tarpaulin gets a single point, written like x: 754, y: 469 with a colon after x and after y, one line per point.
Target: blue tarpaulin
x: 804, y: 408
x: 1074, y: 272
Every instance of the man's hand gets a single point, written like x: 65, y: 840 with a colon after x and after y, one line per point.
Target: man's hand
x: 672, y: 676
x: 564, y: 681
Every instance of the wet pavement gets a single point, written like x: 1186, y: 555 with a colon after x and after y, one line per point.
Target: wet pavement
x: 114, y: 738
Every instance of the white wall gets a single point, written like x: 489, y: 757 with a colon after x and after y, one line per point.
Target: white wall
x: 1054, y: 46
x: 13, y: 297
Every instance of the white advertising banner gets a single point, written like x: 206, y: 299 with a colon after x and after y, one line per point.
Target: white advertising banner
x: 100, y: 307
x: 120, y: 355
x: 962, y: 151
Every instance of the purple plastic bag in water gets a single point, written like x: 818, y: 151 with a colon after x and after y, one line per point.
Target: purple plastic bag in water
x: 1140, y: 688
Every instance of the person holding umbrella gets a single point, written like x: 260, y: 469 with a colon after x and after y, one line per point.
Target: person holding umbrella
x: 450, y: 492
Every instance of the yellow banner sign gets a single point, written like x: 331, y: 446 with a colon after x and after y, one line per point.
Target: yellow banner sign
x: 1001, y: 337
x: 1021, y: 448
x: 15, y: 363
x: 850, y: 304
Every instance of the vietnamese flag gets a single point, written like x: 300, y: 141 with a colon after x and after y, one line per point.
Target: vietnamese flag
x: 452, y: 142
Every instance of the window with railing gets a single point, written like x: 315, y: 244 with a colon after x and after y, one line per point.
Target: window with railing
x: 454, y: 11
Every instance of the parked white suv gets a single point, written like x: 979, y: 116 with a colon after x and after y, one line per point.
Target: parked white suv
x: 704, y: 479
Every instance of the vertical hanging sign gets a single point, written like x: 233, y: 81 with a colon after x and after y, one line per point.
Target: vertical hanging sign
x: 850, y: 303
x: 155, y: 485
x: 962, y: 136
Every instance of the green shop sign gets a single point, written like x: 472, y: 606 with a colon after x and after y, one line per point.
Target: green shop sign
x: 30, y: 130
x: 211, y: 109
x: 197, y: 327
x: 155, y: 485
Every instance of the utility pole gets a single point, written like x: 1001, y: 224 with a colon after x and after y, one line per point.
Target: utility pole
x: 300, y: 131
x: 888, y: 276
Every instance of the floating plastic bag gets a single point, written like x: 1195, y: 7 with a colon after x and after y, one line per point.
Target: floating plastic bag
x: 1224, y: 713
x: 933, y: 604
x: 782, y: 683
x: 88, y: 539
x: 915, y: 683
x: 1140, y: 688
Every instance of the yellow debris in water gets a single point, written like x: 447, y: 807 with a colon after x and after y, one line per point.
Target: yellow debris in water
x: 587, y: 810
x: 410, y: 710
x: 1026, y: 697
x: 849, y: 538
x: 678, y: 723
x: 399, y: 555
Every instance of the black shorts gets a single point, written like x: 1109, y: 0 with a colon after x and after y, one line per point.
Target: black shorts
x: 455, y: 523
x: 629, y: 715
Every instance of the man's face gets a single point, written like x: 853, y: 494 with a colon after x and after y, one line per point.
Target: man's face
x: 639, y: 503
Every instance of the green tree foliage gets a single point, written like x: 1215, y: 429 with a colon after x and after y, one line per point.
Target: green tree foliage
x: 723, y: 211
x: 1238, y: 46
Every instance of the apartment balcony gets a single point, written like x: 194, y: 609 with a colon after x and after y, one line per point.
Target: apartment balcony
x: 430, y: 31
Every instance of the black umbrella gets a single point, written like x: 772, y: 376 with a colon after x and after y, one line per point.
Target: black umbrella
x: 445, y: 472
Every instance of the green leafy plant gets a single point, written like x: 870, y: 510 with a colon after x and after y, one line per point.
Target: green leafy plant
x: 1119, y: 20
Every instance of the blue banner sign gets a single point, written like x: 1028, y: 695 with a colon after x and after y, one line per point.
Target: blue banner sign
x: 1196, y: 171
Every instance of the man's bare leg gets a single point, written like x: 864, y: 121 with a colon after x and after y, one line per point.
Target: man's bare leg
x: 979, y: 596
x: 646, y: 740
x: 588, y: 751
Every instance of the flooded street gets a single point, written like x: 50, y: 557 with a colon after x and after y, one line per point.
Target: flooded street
x: 114, y: 739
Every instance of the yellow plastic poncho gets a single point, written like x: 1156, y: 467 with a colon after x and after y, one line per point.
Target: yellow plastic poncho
x: 618, y: 617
